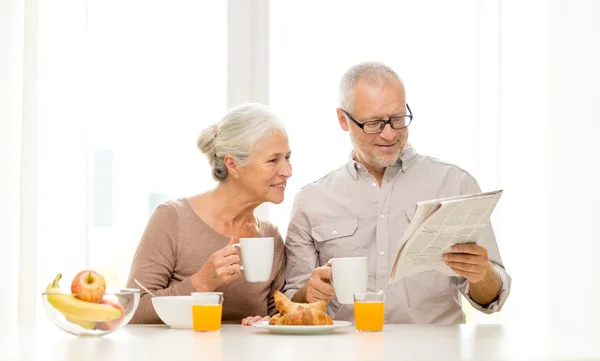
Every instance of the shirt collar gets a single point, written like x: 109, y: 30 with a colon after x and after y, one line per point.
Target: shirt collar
x: 406, y: 159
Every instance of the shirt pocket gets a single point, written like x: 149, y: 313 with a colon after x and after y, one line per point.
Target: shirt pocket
x: 337, y: 238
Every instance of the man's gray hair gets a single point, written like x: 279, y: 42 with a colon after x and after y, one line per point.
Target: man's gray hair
x: 371, y: 72
x: 237, y: 135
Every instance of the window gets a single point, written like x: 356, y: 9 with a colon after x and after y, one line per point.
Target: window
x: 435, y: 52
x: 156, y: 77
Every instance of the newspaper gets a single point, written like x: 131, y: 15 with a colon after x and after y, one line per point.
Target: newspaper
x: 437, y: 226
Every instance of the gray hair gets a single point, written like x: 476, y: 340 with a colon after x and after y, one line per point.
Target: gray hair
x: 237, y: 135
x: 372, y: 72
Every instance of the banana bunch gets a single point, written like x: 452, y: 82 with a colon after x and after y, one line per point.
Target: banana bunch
x: 83, y: 313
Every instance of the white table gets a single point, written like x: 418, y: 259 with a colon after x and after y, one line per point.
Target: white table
x: 235, y: 342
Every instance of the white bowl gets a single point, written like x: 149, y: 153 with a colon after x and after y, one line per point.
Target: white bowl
x: 174, y: 311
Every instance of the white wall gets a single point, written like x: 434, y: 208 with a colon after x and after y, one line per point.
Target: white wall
x: 574, y: 161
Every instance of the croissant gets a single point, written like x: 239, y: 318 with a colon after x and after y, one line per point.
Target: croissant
x: 285, y: 306
x: 305, y: 317
x: 274, y: 319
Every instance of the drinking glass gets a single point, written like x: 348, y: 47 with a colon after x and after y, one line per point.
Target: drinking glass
x: 369, y: 311
x: 207, y: 308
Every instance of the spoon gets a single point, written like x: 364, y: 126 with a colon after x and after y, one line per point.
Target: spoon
x: 144, y: 288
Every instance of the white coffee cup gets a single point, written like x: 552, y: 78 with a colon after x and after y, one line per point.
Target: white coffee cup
x: 257, y: 258
x: 350, y: 275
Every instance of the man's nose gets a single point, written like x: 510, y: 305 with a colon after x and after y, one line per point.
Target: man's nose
x: 388, y: 133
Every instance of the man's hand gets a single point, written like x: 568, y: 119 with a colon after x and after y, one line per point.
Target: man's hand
x: 319, y: 285
x: 470, y: 261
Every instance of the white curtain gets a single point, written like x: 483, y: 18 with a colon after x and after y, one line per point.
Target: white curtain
x: 53, y: 174
x: 574, y: 158
x: 11, y: 107
x: 547, y: 156
x: 19, y: 157
x: 79, y: 77
x: 513, y: 146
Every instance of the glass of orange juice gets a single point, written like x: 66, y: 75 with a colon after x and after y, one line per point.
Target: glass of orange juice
x: 207, y: 308
x: 369, y: 311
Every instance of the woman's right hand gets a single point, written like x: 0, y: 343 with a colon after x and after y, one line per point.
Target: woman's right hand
x: 222, y: 267
x: 248, y: 321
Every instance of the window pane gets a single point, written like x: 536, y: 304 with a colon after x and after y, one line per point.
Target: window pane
x: 156, y: 76
x: 432, y: 44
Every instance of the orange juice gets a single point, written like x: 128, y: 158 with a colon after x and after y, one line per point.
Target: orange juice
x: 206, y: 317
x: 369, y: 315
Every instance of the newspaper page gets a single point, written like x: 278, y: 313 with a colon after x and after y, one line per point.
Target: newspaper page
x: 438, y: 225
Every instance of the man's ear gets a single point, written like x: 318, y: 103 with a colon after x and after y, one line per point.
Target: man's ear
x: 233, y: 168
x: 342, y: 119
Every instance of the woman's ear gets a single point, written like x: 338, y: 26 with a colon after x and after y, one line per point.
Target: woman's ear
x: 233, y: 168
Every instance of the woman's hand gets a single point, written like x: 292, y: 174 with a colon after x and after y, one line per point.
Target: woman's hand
x: 248, y: 321
x: 222, y: 267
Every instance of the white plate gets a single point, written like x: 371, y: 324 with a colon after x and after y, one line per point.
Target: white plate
x: 301, y: 330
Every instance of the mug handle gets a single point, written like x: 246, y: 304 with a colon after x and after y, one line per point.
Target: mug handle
x: 240, y: 247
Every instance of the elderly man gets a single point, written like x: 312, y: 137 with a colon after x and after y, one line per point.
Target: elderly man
x: 362, y: 209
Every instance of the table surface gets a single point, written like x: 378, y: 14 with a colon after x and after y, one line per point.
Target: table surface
x: 236, y: 342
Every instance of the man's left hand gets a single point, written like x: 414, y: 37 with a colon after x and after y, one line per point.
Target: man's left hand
x: 469, y: 260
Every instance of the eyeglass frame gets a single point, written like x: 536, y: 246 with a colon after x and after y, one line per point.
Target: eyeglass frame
x: 385, y: 122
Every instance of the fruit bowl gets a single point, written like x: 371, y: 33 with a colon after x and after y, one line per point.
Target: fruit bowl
x: 81, y: 318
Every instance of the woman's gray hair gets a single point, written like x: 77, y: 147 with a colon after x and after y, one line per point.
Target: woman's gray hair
x: 237, y: 135
x: 372, y: 72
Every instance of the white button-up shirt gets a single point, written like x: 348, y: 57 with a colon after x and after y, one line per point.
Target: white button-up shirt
x: 344, y: 215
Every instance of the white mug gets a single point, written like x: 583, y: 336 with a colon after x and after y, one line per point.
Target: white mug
x: 257, y: 258
x: 350, y: 275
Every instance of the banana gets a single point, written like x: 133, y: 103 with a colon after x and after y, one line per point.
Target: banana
x: 74, y: 308
x: 90, y: 325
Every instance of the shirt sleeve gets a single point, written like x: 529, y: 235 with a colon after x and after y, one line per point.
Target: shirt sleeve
x: 495, y: 305
x: 488, y: 240
x: 301, y: 254
x: 154, y: 262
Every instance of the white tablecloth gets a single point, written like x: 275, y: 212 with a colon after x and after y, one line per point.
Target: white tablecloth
x: 235, y: 342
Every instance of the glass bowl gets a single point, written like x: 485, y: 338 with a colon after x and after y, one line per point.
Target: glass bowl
x: 96, y: 319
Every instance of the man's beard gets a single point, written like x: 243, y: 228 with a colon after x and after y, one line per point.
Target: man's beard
x: 377, y: 160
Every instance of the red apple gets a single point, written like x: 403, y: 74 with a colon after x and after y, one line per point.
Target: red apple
x: 110, y: 325
x: 88, y: 286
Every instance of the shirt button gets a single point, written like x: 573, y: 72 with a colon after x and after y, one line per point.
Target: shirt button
x: 381, y: 216
x: 381, y: 253
x: 334, y: 231
x: 380, y: 291
x: 373, y: 184
x: 404, y: 169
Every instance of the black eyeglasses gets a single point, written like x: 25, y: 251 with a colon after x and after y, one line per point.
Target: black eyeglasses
x: 376, y: 126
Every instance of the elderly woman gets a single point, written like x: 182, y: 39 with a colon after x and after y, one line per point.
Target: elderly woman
x: 187, y: 244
